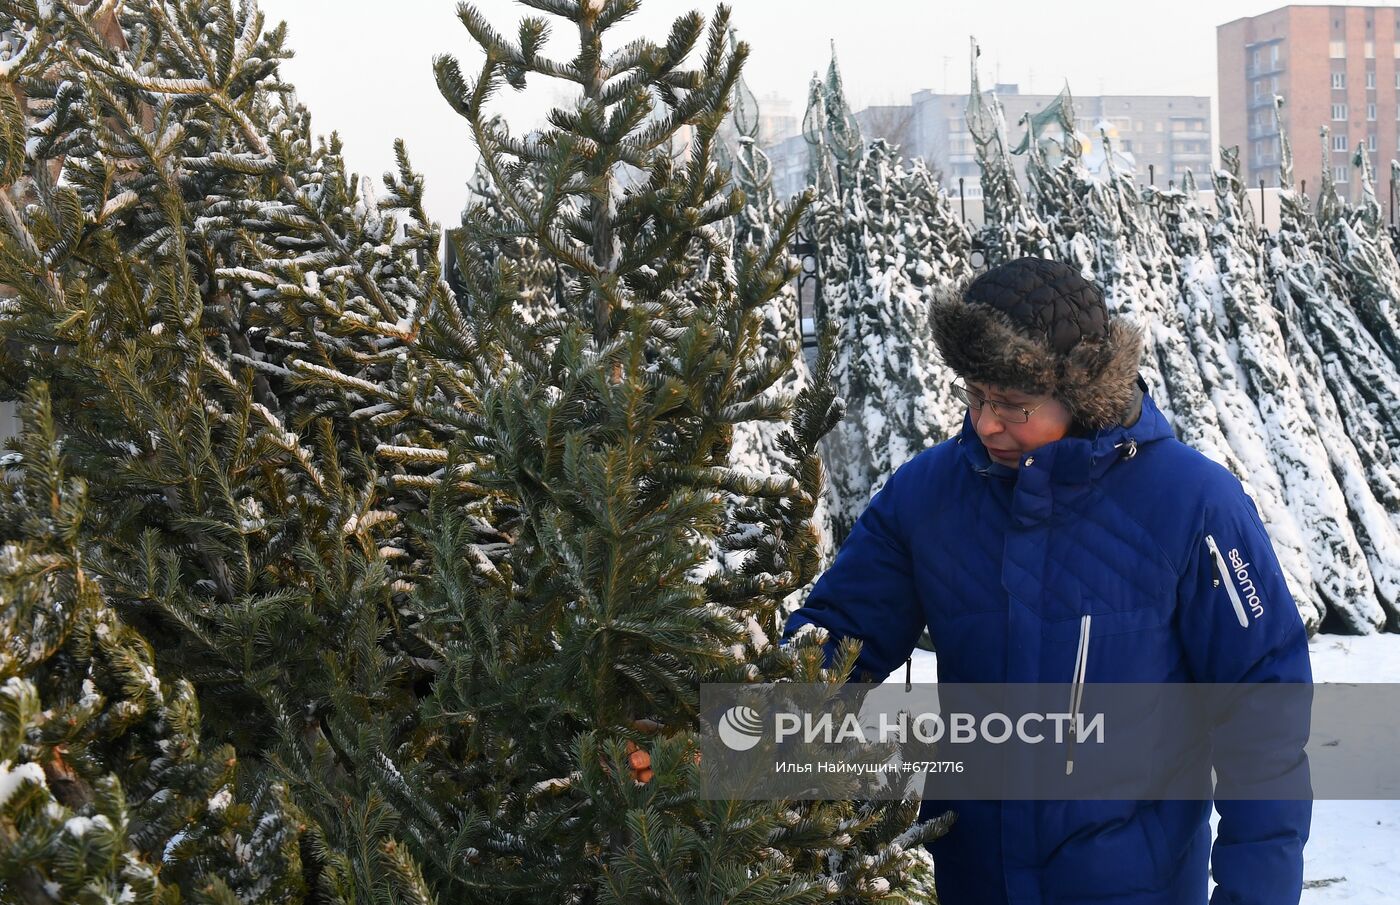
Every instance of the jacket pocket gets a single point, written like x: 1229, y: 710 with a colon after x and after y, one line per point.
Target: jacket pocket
x: 1222, y: 572
x: 1109, y: 849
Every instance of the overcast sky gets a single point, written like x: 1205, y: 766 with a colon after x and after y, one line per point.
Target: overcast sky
x: 364, y: 67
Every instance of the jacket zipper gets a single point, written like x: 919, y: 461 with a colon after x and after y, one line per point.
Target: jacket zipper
x: 1229, y: 582
x: 1076, y: 694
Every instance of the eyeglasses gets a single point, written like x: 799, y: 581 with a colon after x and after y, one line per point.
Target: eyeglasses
x: 1005, y: 411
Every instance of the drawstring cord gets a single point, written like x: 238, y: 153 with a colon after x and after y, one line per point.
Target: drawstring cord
x: 1076, y: 694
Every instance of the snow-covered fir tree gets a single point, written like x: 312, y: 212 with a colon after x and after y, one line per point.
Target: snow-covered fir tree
x: 1365, y: 257
x: 1139, y: 272
x: 853, y: 463
x: 1010, y: 228
x: 1113, y: 230
x: 1313, y: 314
x: 756, y: 443
x: 1362, y: 379
x: 936, y: 246
x: 1202, y: 313
x: 887, y: 262
x: 758, y: 446
x: 1341, y: 580
x: 1056, y: 181
x: 539, y: 279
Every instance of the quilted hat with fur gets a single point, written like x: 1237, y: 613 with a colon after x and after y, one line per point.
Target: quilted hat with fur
x: 1039, y: 327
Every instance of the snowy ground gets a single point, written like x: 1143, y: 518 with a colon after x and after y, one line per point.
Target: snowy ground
x: 1353, y: 854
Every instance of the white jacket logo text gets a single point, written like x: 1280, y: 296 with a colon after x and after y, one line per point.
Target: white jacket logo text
x: 1241, y: 569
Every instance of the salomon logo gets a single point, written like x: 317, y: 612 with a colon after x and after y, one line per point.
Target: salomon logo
x: 1241, y: 569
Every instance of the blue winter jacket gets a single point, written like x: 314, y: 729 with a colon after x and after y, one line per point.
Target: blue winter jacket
x: 1130, y: 527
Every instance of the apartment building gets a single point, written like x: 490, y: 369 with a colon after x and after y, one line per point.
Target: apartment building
x: 1335, y: 67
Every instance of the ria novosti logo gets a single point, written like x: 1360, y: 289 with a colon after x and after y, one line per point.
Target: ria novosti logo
x: 740, y: 727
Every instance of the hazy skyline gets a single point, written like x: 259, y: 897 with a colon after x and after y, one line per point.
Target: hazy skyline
x: 368, y: 74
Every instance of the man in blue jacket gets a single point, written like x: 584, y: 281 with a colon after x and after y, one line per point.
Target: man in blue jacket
x: 1065, y: 535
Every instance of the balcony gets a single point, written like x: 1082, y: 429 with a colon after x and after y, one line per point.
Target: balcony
x: 1266, y: 132
x: 1250, y: 72
x: 1193, y: 135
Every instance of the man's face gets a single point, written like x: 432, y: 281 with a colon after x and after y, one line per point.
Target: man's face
x: 1008, y: 441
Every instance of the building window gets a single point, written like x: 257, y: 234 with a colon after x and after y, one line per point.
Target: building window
x: 1371, y: 141
x: 1337, y: 50
x: 1339, y: 80
x: 1339, y: 142
x: 1339, y: 113
x: 1371, y: 112
x: 1273, y: 55
x: 1371, y: 79
x: 1370, y: 50
x: 1339, y: 174
x: 1254, y: 60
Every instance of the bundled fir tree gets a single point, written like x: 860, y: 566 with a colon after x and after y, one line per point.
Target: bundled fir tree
x: 1342, y: 582
x: 1139, y: 272
x: 1010, y: 228
x: 834, y: 224
x: 884, y: 251
x: 1202, y: 312
x: 1115, y: 231
x: 1364, y: 383
x: 1307, y: 294
x: 1362, y: 249
x: 1057, y: 183
x: 936, y: 247
x: 757, y: 444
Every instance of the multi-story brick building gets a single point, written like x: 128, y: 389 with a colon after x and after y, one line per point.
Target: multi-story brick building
x: 1335, y: 66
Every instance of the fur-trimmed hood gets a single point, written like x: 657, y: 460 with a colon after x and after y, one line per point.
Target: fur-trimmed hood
x: 1095, y: 378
